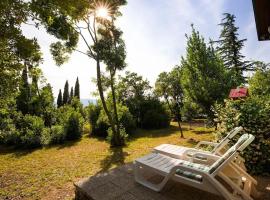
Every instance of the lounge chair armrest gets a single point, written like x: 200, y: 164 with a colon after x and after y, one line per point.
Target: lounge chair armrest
x: 206, y: 143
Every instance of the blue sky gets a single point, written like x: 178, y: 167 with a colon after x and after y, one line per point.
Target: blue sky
x: 154, y: 32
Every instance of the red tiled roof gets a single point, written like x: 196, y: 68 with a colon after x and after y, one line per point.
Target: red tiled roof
x: 238, y: 93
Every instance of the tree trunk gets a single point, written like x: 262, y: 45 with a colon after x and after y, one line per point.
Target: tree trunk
x: 117, y: 139
x: 180, y: 127
x: 100, y: 90
x: 177, y: 118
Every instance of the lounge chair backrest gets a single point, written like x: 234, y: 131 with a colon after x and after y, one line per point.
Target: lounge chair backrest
x: 241, y: 144
x: 226, y: 139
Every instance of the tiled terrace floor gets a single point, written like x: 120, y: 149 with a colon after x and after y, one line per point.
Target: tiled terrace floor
x: 119, y: 184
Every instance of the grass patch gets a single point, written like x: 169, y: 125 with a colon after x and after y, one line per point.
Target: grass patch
x: 49, y: 173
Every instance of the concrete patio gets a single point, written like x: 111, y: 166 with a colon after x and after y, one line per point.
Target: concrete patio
x: 119, y: 184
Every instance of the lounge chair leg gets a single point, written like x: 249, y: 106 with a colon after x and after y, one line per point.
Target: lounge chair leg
x: 140, y: 179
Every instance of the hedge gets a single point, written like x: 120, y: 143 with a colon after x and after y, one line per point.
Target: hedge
x: 253, y: 114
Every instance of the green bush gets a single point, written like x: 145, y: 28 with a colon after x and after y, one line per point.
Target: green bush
x: 74, y: 126
x: 58, y: 134
x: 123, y: 136
x: 253, y: 115
x: 30, y: 128
x: 87, y: 129
x: 93, y: 111
x: 46, y: 137
x: 125, y: 119
x: 154, y: 114
x: 102, y: 125
x: 9, y: 135
x: 153, y: 119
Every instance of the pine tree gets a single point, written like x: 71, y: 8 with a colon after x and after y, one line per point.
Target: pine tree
x: 229, y: 48
x: 71, y: 95
x: 66, y: 93
x: 24, y: 97
x: 59, y: 99
x: 77, y: 89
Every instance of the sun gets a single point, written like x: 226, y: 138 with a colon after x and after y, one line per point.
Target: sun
x: 102, y: 12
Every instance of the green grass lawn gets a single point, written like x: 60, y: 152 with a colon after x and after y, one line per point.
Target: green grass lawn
x: 49, y: 173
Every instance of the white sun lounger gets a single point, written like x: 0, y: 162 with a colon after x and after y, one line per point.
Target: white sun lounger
x: 185, y: 153
x: 196, y: 175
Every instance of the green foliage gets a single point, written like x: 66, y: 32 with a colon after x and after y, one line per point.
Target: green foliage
x: 93, y: 112
x: 77, y: 89
x: 205, y: 80
x: 122, y: 133
x: 132, y: 90
x: 259, y: 83
x: 59, y: 99
x: 74, y: 126
x: 8, y: 133
x: 154, y: 115
x: 153, y: 120
x: 126, y: 119
x: 254, y: 115
x: 229, y: 47
x: 100, y: 123
x: 87, y: 129
x: 71, y: 95
x: 168, y: 86
x: 66, y: 93
x: 190, y: 110
x: 24, y: 97
x: 30, y: 128
x: 54, y: 135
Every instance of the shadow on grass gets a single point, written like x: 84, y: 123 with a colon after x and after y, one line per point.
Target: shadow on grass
x: 18, y: 152
x: 164, y: 132
x: 201, y: 132
x: 192, y: 141
x: 116, y: 158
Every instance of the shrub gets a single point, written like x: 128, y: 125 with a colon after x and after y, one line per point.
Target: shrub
x: 154, y: 114
x: 54, y: 135
x: 9, y: 135
x: 93, y: 111
x: 253, y: 115
x: 30, y: 128
x: 123, y: 136
x: 58, y: 134
x: 74, y: 126
x: 153, y: 119
x: 125, y: 119
x: 87, y: 129
x: 46, y: 137
x: 102, y: 125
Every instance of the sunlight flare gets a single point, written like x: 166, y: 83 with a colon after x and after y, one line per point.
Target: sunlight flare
x: 102, y: 12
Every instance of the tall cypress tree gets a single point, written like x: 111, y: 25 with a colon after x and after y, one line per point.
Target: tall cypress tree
x: 77, y: 89
x: 59, y: 99
x: 66, y: 93
x: 24, y: 97
x: 71, y: 95
x: 229, y: 48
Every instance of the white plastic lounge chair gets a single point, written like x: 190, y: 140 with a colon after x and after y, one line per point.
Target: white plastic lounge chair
x: 197, y: 175
x: 181, y: 152
x: 185, y: 153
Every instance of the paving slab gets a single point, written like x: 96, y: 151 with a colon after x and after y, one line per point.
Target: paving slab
x: 119, y: 184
